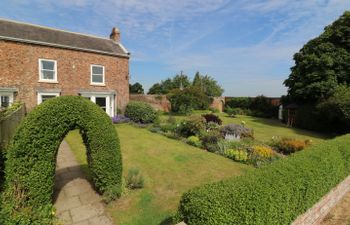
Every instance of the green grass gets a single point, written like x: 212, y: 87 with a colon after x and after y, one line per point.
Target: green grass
x: 265, y: 129
x: 169, y: 167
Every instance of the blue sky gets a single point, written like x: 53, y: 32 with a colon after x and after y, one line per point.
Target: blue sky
x: 247, y: 45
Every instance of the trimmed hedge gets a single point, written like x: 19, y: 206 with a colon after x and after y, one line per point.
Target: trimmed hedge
x: 31, y: 157
x: 140, y: 112
x: 276, y: 194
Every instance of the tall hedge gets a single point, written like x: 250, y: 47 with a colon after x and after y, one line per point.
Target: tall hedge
x: 31, y: 157
x: 276, y: 194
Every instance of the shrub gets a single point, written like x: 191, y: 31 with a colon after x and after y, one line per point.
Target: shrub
x: 235, y: 111
x: 134, y: 179
x: 212, y: 118
x: 9, y: 110
x: 275, y: 194
x: 194, y: 140
x: 120, y: 119
x: 166, y: 128
x: 237, y: 155
x: 189, y: 99
x: 31, y: 157
x: 239, y: 102
x: 211, y: 126
x: 237, y: 130
x: 262, y: 107
x: 210, y: 141
x: 288, y: 145
x: 214, y: 110
x: 194, y: 125
x: 140, y: 112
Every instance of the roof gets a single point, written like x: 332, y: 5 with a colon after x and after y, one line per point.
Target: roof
x: 35, y: 34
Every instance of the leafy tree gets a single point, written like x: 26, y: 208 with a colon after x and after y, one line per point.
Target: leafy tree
x: 136, y: 88
x: 188, y: 99
x: 208, y: 85
x: 322, y: 64
x: 164, y: 87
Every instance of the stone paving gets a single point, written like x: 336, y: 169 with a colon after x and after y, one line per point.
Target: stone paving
x: 340, y: 214
x: 75, y: 200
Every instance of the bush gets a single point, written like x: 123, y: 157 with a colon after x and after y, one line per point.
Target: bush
x: 9, y: 110
x: 235, y: 111
x: 194, y: 140
x: 275, y: 194
x: 289, y: 145
x: 212, y: 118
x: 214, y: 110
x: 210, y: 141
x: 237, y: 155
x: 31, y: 157
x: 238, y: 102
x: 120, y: 119
x: 237, y: 130
x: 140, y: 112
x: 211, y: 126
x: 134, y: 179
x: 194, y: 125
x: 189, y: 99
x: 262, y: 107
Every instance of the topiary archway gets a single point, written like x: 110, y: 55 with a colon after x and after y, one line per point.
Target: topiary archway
x: 31, y: 157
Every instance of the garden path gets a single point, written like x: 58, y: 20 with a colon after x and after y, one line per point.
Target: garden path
x: 340, y: 214
x: 75, y: 200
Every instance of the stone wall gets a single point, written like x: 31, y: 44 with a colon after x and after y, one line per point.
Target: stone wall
x: 20, y: 69
x: 318, y: 212
x: 159, y: 102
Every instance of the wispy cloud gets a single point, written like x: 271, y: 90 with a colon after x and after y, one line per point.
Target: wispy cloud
x: 247, y: 44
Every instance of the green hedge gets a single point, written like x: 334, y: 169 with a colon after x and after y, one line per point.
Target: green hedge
x: 140, y: 112
x: 31, y: 157
x: 276, y: 194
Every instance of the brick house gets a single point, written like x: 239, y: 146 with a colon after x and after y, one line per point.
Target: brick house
x: 38, y: 63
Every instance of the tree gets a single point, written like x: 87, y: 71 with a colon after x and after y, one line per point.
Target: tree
x: 208, y: 85
x: 188, y: 99
x: 136, y: 88
x: 322, y: 64
x: 164, y: 87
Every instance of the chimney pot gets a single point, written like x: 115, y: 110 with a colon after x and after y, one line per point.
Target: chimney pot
x: 115, y: 35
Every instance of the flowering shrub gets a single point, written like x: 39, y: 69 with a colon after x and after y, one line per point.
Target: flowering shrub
x: 194, y: 140
x: 237, y: 130
x: 288, y: 145
x: 120, y: 119
x: 211, y: 126
x: 194, y: 125
x: 237, y: 155
x: 212, y: 118
x: 210, y: 141
x: 263, y: 151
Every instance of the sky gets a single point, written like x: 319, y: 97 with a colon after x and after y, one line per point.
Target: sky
x: 246, y: 45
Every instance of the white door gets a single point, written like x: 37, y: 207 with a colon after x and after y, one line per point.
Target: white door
x: 104, y: 101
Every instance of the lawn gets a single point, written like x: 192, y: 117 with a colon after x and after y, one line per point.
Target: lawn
x: 265, y: 129
x: 169, y: 167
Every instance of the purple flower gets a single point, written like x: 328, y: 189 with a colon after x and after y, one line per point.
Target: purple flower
x: 120, y: 119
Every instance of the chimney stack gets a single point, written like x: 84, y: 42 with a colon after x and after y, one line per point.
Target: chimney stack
x: 115, y: 35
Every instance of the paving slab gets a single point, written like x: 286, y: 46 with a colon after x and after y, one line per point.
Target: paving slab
x: 75, y: 200
x: 340, y: 214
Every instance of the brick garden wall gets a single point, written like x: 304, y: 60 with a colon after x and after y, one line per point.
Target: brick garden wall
x: 159, y: 102
x: 20, y: 69
x: 318, y: 212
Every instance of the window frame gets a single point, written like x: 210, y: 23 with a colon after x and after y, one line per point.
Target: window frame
x: 41, y: 94
x: 103, y: 75
x: 10, y: 95
x: 41, y: 79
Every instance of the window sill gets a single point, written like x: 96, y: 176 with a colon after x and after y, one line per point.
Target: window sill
x: 97, y: 84
x: 48, y: 81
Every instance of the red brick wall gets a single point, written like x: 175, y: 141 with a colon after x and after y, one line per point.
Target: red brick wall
x: 19, y: 68
x: 318, y: 212
x: 159, y: 102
